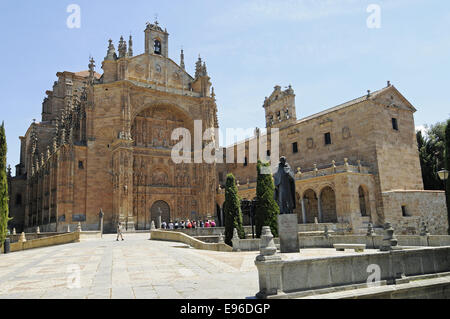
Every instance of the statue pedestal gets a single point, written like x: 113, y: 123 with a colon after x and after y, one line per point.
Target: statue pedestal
x: 288, y: 233
x: 130, y: 225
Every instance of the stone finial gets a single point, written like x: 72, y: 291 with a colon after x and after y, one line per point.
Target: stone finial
x: 122, y: 48
x: 68, y: 228
x: 111, y: 55
x: 299, y: 172
x: 198, y: 67
x: 424, y: 229
x: 22, y: 238
x: 316, y: 170
x: 359, y: 166
x: 79, y: 227
x: 38, y: 231
x: 346, y: 165
x: 14, y: 231
x: 221, y: 239
x: 326, y: 232
x: 368, y: 93
x: 370, y: 230
x: 316, y: 221
x: 389, y: 241
x: 267, y: 245
x: 9, y: 171
x: 182, y: 65
x: 388, y: 83
x: 130, y: 46
x: 333, y: 166
x: 152, y: 226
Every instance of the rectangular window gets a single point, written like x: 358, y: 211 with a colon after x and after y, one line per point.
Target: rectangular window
x: 246, y: 162
x: 395, y: 124
x: 294, y: 148
x: 327, y: 138
x: 404, y: 211
x: 268, y: 153
x: 80, y: 165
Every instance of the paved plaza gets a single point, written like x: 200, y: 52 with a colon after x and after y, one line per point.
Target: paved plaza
x: 135, y: 268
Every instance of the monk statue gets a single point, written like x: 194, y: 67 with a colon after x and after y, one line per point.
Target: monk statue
x: 285, y: 187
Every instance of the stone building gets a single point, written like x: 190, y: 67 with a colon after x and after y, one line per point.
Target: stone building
x: 105, y: 142
x: 356, y: 163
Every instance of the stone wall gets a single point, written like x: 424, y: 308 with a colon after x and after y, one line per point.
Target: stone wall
x: 420, y: 206
x: 293, y: 275
x: 46, y: 241
x: 183, y: 238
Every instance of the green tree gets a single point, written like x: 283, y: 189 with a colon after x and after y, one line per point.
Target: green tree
x: 447, y: 167
x: 267, y: 210
x: 232, y: 210
x: 431, y: 153
x: 4, y: 197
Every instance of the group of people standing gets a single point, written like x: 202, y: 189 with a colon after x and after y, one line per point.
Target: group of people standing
x: 188, y: 224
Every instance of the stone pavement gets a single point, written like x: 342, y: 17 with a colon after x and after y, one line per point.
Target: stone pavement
x: 135, y: 268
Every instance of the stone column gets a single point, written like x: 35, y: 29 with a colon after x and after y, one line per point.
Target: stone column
x: 319, y: 208
x: 269, y: 266
x: 303, y: 210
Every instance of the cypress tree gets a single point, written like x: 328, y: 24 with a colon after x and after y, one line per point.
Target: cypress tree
x: 4, y: 197
x: 447, y: 167
x: 232, y: 210
x: 267, y: 209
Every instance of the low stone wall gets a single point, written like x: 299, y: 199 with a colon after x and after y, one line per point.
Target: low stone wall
x: 46, y: 241
x: 302, y: 228
x: 85, y: 235
x: 371, y: 242
x: 31, y: 236
x: 278, y: 277
x: 185, y: 239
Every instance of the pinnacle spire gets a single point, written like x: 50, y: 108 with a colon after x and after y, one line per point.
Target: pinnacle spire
x: 111, y: 55
x: 182, y: 60
x: 130, y: 46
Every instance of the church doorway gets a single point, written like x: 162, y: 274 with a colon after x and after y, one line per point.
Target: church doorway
x: 160, y: 208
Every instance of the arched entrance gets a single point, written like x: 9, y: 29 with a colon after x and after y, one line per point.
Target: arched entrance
x: 311, y: 206
x: 364, y: 204
x: 160, y: 208
x: 328, y: 205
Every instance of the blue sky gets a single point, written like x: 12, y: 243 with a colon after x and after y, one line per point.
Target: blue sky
x: 323, y: 48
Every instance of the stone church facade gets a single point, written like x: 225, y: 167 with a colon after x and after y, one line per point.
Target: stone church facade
x: 105, y: 143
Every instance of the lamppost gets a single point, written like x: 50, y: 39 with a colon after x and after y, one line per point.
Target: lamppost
x: 101, y: 214
x: 443, y: 175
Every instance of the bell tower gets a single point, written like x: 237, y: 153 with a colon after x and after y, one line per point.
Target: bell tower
x: 156, y: 40
x: 280, y: 108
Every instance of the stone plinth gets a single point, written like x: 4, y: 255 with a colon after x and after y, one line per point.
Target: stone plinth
x: 288, y: 233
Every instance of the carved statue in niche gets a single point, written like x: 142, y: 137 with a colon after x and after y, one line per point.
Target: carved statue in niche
x: 160, y: 178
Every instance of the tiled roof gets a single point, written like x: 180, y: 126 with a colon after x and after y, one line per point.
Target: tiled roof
x: 85, y: 74
x: 346, y: 104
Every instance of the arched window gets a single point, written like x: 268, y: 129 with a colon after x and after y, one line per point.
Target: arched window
x: 157, y: 47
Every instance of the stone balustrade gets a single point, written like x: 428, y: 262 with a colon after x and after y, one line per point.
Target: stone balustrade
x: 283, y: 278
